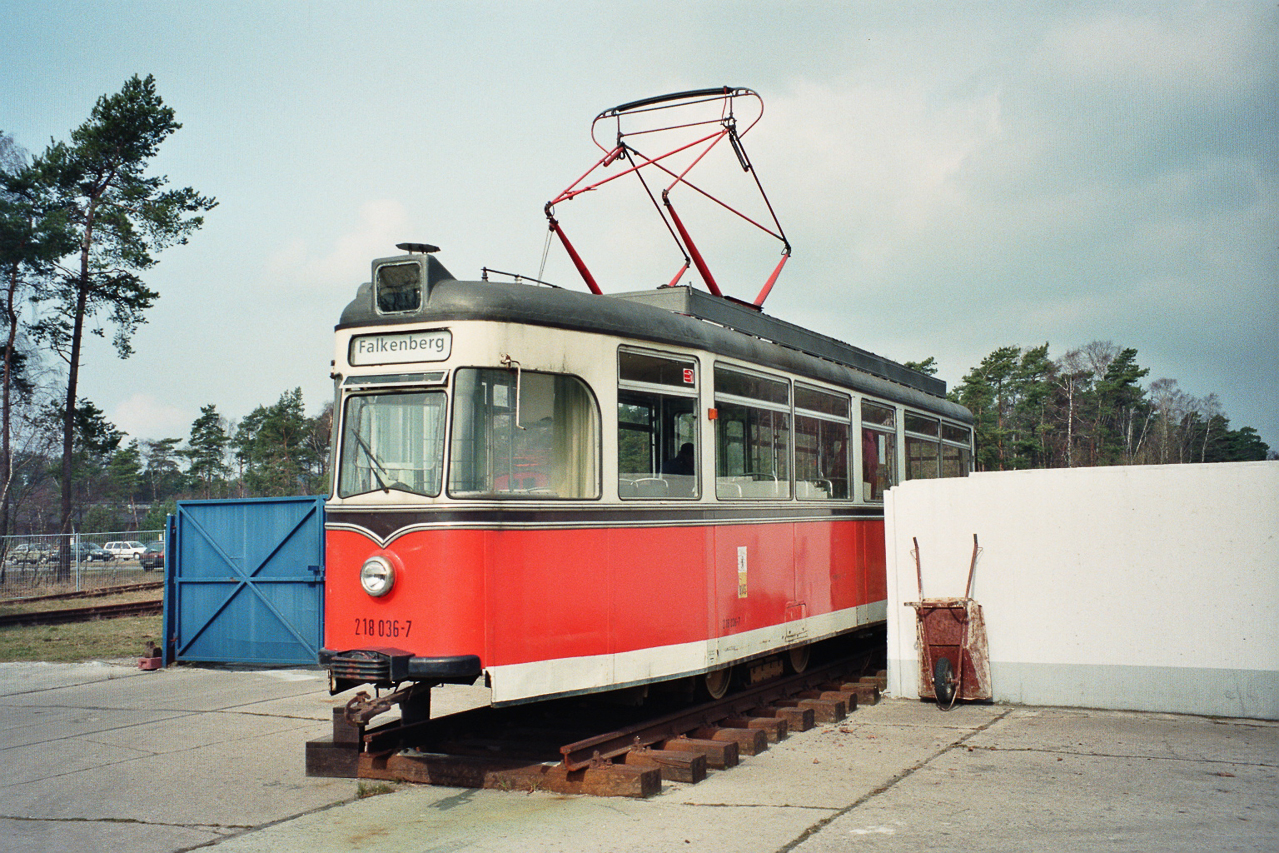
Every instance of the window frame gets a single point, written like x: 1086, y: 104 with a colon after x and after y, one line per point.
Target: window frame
x: 832, y: 484
x: 460, y: 377
x: 655, y: 397
x: 874, y: 429
x: 921, y: 431
x: 345, y: 442
x: 963, y: 447
x: 741, y: 485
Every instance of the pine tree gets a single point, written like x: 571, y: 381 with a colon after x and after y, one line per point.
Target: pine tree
x: 276, y: 449
x: 1008, y: 394
x: 207, y: 451
x: 121, y: 218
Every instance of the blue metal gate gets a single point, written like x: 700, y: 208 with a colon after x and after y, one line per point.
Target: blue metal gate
x: 244, y: 581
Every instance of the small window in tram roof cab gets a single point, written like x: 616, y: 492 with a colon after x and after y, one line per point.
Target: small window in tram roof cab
x: 653, y: 369
x: 399, y: 288
x: 920, y: 424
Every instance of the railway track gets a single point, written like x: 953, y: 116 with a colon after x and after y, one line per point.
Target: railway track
x: 84, y: 614
x: 580, y: 747
x: 93, y: 593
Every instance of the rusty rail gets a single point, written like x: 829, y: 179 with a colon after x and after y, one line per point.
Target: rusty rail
x: 605, y: 747
x: 518, y: 747
x: 88, y: 593
x: 84, y: 614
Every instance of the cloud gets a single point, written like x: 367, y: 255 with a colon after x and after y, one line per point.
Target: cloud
x: 143, y: 416
x: 1172, y: 49
x: 301, y: 265
x: 876, y: 163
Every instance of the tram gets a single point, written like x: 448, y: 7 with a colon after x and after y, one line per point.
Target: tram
x: 556, y: 492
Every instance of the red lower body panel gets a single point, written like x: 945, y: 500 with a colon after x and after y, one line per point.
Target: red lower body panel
x: 602, y: 604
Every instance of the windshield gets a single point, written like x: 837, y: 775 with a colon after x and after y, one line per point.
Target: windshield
x: 392, y: 441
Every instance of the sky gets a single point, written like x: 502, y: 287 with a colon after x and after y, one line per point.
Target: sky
x: 952, y: 177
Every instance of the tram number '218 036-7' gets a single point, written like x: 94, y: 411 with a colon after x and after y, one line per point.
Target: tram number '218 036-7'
x: 382, y: 627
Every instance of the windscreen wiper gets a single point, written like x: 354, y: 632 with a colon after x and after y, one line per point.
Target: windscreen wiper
x: 376, y: 462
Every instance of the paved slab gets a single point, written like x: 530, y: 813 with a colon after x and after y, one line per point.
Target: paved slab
x: 1074, y: 780
x: 101, y: 757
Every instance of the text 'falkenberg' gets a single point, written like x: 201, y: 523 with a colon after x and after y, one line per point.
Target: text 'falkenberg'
x: 387, y: 344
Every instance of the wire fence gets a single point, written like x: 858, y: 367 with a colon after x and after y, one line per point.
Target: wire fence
x: 48, y: 565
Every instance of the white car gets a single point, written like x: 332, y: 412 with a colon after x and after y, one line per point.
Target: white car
x: 126, y: 550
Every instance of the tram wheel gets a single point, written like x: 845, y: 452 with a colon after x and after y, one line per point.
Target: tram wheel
x: 944, y: 682
x: 715, y: 683
x: 797, y: 658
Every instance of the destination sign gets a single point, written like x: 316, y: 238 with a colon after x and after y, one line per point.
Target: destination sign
x: 402, y: 347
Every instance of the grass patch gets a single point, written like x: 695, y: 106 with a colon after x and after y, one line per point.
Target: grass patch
x: 21, y: 584
x: 373, y: 789
x: 105, y: 639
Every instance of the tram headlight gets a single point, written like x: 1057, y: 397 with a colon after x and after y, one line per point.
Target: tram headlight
x: 377, y: 576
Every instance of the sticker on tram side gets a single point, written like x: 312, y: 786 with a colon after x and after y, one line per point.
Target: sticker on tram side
x: 741, y: 571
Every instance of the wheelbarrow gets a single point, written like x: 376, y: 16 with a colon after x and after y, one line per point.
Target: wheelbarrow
x: 954, y: 659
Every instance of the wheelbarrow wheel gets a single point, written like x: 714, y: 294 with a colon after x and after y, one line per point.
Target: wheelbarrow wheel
x: 944, y: 683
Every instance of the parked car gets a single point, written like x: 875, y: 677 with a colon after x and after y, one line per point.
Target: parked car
x: 30, y: 553
x: 128, y: 549
x: 153, y: 557
x: 89, y: 552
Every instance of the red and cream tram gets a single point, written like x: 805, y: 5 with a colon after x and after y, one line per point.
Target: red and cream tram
x: 564, y: 492
x: 510, y: 499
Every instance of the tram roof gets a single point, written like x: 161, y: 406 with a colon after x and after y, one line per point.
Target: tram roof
x: 751, y: 321
x: 678, y: 316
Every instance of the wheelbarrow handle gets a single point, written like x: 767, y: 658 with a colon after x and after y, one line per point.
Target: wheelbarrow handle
x: 972, y: 567
x: 919, y: 574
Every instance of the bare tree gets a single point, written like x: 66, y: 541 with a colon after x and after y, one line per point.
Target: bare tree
x: 1072, y: 379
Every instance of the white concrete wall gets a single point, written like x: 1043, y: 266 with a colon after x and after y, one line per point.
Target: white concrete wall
x: 1150, y: 588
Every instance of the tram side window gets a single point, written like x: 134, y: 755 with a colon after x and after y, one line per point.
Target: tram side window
x: 518, y: 434
x: 879, y: 450
x: 752, y: 436
x: 956, y: 450
x: 656, y: 426
x: 392, y: 441
x: 923, y: 456
x: 821, y: 444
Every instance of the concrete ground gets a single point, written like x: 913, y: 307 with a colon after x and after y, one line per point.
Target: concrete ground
x: 108, y: 757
